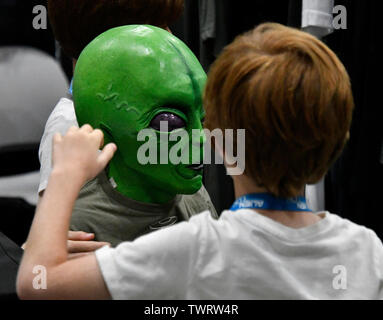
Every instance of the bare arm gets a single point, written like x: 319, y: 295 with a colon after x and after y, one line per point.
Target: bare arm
x: 76, y: 159
x: 79, y: 242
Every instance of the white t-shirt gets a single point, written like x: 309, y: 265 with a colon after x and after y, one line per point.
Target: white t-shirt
x: 245, y: 255
x: 61, y: 119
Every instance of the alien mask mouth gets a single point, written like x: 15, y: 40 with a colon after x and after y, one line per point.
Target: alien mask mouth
x: 196, y: 167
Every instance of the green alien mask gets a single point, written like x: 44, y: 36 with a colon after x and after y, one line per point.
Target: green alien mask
x: 132, y: 78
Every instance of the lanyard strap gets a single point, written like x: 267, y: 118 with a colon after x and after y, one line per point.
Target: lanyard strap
x: 70, y: 90
x: 267, y: 201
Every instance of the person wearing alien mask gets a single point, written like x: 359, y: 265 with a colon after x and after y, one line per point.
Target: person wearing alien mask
x: 128, y: 79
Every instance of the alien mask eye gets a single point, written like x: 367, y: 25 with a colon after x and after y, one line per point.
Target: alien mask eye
x: 174, y: 121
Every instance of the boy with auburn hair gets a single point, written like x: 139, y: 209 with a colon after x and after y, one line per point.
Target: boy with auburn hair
x: 109, y: 215
x: 293, y: 96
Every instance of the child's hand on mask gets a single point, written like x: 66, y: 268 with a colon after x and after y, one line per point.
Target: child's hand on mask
x: 78, y: 153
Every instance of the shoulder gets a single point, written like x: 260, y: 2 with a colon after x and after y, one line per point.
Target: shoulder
x: 347, y: 226
x: 357, y: 236
x: 197, y: 203
x: 93, y: 211
x: 60, y: 120
x: 181, y: 235
x: 92, y: 200
x: 64, y: 111
x: 361, y: 241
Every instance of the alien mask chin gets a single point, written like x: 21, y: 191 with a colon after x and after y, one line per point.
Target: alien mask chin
x: 133, y: 78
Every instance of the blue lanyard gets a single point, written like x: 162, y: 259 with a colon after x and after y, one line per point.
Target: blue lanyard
x: 267, y: 201
x: 70, y: 90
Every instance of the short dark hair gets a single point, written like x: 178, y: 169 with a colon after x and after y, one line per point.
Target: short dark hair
x: 76, y: 23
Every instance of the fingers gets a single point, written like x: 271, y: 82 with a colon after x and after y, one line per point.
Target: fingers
x: 107, y: 154
x: 79, y: 243
x: 85, y: 246
x: 78, y: 255
x: 72, y: 129
x: 80, y: 235
x: 86, y: 128
x: 57, y: 138
x: 99, y: 135
x: 83, y: 144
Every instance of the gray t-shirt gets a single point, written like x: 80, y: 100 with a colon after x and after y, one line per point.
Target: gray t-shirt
x: 115, y: 218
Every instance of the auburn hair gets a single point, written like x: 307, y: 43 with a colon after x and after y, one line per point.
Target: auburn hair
x: 76, y: 23
x: 293, y: 97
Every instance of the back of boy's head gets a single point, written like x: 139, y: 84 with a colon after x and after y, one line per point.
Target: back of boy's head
x: 76, y: 23
x: 292, y: 95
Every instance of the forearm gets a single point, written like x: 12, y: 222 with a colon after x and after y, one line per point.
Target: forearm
x: 76, y: 159
x: 47, y: 241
